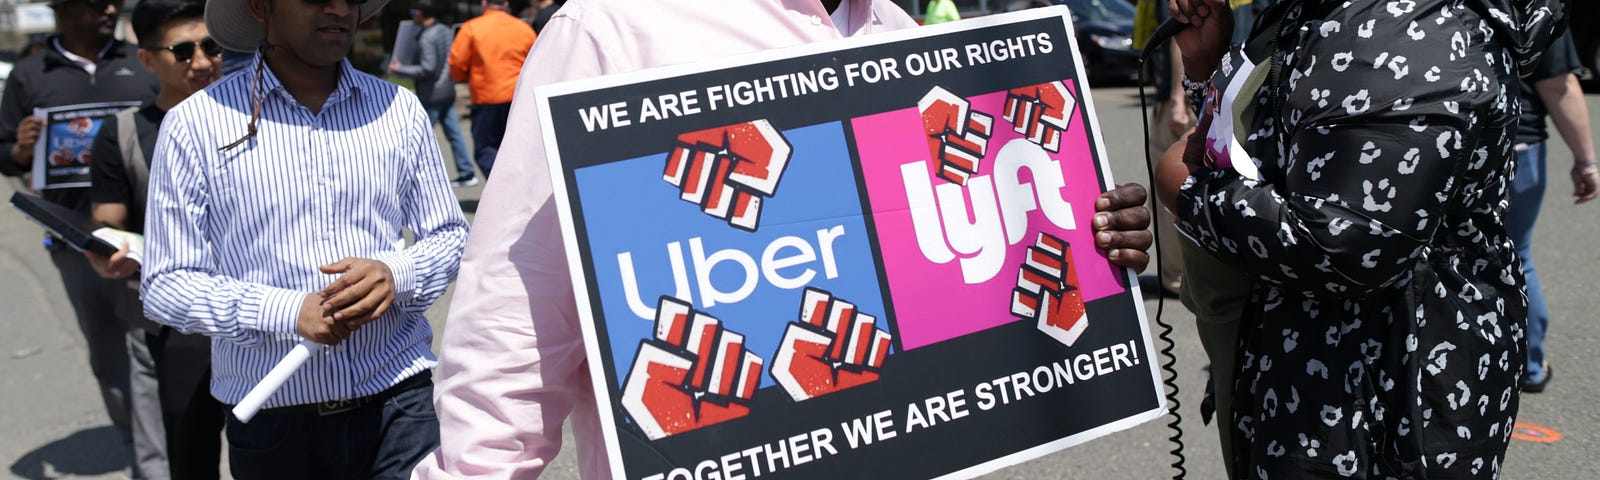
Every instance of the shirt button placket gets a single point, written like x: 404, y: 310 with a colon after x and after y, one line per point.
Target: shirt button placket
x: 324, y: 193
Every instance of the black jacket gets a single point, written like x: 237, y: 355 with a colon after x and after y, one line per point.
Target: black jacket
x: 49, y: 79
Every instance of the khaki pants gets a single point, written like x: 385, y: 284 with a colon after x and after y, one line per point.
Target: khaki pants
x: 1218, y: 295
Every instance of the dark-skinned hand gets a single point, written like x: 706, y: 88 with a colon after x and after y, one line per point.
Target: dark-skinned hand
x: 361, y: 294
x: 1121, y: 226
x: 318, y: 327
x: 1206, y: 39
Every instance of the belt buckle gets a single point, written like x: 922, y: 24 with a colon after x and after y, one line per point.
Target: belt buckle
x: 336, y: 407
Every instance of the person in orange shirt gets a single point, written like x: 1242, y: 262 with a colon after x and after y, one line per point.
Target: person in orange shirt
x: 487, y: 55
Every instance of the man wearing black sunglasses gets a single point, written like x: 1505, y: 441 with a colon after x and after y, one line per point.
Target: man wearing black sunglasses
x: 81, y: 64
x: 176, y: 422
x: 278, y: 198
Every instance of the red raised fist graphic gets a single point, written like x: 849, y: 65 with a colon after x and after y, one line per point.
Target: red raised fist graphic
x: 694, y: 373
x: 831, y: 348
x: 728, y: 170
x: 957, y: 135
x: 62, y: 156
x: 1047, y: 291
x: 80, y: 126
x: 1040, y: 112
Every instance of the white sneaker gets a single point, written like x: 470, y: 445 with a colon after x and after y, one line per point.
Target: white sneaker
x: 464, y: 182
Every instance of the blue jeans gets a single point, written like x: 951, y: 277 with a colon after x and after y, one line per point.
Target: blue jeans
x: 488, y: 128
x: 445, y: 117
x: 1527, y: 192
x: 381, y: 440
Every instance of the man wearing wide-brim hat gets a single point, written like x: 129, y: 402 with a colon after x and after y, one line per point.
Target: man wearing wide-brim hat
x: 277, y: 202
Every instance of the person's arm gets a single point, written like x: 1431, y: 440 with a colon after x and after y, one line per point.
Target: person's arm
x: 423, y: 270
x: 1178, y: 163
x: 108, y: 196
x: 431, y: 54
x: 1361, y: 197
x: 13, y: 111
x: 181, y: 285
x: 411, y: 278
x: 461, y: 55
x: 114, y: 215
x: 1563, y: 99
x: 512, y: 365
x: 1206, y: 39
x: 1177, y: 108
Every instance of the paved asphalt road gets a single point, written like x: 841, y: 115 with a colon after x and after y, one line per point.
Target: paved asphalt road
x: 55, y: 428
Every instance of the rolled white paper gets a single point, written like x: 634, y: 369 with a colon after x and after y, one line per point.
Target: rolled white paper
x: 258, y: 396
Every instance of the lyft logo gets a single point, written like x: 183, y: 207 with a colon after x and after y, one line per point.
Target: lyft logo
x: 957, y: 137
x: 999, y: 205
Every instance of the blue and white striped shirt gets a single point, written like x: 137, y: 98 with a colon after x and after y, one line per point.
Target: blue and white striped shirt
x: 234, y: 238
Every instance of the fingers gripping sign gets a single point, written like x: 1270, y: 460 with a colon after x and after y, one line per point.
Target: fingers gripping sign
x: 831, y: 348
x: 1047, y: 291
x: 694, y: 373
x: 957, y: 135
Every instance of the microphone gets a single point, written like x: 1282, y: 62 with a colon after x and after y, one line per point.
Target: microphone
x: 1163, y: 33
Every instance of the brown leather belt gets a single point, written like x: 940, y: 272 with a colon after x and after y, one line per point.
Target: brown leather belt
x: 333, y: 407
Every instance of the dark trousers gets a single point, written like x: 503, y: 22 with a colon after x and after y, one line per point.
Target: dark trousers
x: 193, y: 418
x: 488, y: 129
x: 105, y: 333
x: 381, y: 440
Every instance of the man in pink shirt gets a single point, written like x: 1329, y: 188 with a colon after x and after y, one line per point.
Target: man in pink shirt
x: 513, y: 366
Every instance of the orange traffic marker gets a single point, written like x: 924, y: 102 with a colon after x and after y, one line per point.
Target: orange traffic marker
x: 1535, y: 433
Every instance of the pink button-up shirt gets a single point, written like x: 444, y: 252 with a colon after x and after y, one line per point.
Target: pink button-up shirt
x: 513, y: 367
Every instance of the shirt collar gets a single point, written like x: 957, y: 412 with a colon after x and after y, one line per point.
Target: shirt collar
x: 65, y: 57
x: 56, y: 41
x: 347, y: 87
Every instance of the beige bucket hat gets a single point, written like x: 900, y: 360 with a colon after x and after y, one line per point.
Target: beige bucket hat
x: 232, y: 25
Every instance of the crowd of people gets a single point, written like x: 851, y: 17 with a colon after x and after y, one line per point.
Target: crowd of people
x: 273, y: 184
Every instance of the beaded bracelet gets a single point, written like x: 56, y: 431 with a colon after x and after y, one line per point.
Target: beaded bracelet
x: 1196, y: 93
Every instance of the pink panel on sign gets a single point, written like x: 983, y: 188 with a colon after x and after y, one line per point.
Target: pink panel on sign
x: 932, y: 300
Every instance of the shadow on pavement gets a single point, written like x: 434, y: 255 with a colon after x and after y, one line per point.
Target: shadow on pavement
x: 96, y: 451
x: 469, y: 206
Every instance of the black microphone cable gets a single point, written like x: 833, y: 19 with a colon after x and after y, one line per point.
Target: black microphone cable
x: 1169, y: 377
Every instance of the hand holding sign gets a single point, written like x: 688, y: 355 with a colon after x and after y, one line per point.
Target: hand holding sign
x: 957, y: 135
x: 831, y: 348
x: 693, y: 374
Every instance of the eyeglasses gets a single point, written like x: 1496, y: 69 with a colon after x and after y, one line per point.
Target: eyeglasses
x: 184, y: 52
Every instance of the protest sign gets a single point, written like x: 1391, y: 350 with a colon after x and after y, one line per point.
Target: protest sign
x: 405, y: 43
x: 61, y: 156
x: 869, y: 258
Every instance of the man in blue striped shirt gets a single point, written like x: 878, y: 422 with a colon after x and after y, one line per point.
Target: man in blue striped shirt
x: 278, y: 197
